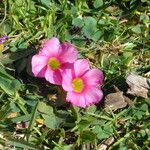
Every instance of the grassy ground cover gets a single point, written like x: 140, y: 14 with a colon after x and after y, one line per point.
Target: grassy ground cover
x: 112, y: 34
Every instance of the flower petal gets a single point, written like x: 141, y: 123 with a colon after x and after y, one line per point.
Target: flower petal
x: 76, y: 99
x: 53, y: 77
x: 93, y: 77
x: 93, y: 95
x: 68, y: 53
x: 80, y: 67
x: 39, y: 64
x: 51, y: 47
x: 67, y: 78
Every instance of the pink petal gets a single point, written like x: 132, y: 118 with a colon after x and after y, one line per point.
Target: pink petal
x: 76, y: 99
x: 67, y: 78
x: 80, y: 67
x: 53, y: 77
x: 67, y: 66
x: 68, y: 53
x: 42, y: 72
x: 51, y: 47
x: 93, y: 95
x: 39, y: 63
x: 93, y: 77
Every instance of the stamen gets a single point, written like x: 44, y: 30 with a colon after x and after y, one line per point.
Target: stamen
x: 78, y: 85
x: 53, y: 63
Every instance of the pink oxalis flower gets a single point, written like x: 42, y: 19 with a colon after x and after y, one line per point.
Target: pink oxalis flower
x: 82, y: 84
x: 52, y: 59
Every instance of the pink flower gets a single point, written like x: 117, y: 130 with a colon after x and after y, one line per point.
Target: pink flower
x: 82, y: 84
x: 52, y: 59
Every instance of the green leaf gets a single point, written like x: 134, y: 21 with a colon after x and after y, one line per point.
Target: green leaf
x: 78, y: 40
x: 90, y: 27
x: 90, y: 22
x: 8, y: 83
x: 46, y: 2
x: 102, y: 22
x: 21, y: 64
x: 91, y: 109
x: 87, y: 137
x: 128, y: 46
x: 98, y: 3
x: 83, y: 124
x: 13, y: 48
x: 144, y: 18
x: 21, y: 118
x: 127, y: 55
x: 143, y: 110
x: 14, y: 108
x: 108, y: 129
x: 23, y: 45
x: 4, y: 59
x: 103, y: 133
x: 4, y: 85
x: 43, y: 108
x: 77, y: 22
x: 137, y: 29
x: 15, y: 85
x: 6, y: 27
x: 9, y: 86
x: 97, y: 35
x: 144, y: 107
x: 51, y: 121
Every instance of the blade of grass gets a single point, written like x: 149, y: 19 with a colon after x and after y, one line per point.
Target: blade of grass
x: 32, y: 121
x: 21, y: 144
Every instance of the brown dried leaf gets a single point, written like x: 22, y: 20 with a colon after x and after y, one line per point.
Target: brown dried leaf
x: 138, y: 85
x: 12, y: 115
x: 128, y: 101
x: 114, y: 101
x: 117, y: 100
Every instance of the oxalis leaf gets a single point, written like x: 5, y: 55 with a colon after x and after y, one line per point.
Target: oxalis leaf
x: 98, y: 3
x: 87, y: 136
x: 45, y: 109
x: 90, y: 29
x: 50, y: 119
x: 77, y: 22
x: 8, y: 83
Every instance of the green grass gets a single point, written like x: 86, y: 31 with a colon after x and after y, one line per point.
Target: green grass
x: 113, y: 35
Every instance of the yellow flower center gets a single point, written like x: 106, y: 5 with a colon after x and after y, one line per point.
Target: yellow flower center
x: 54, y: 63
x: 78, y: 85
x: 1, y: 47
